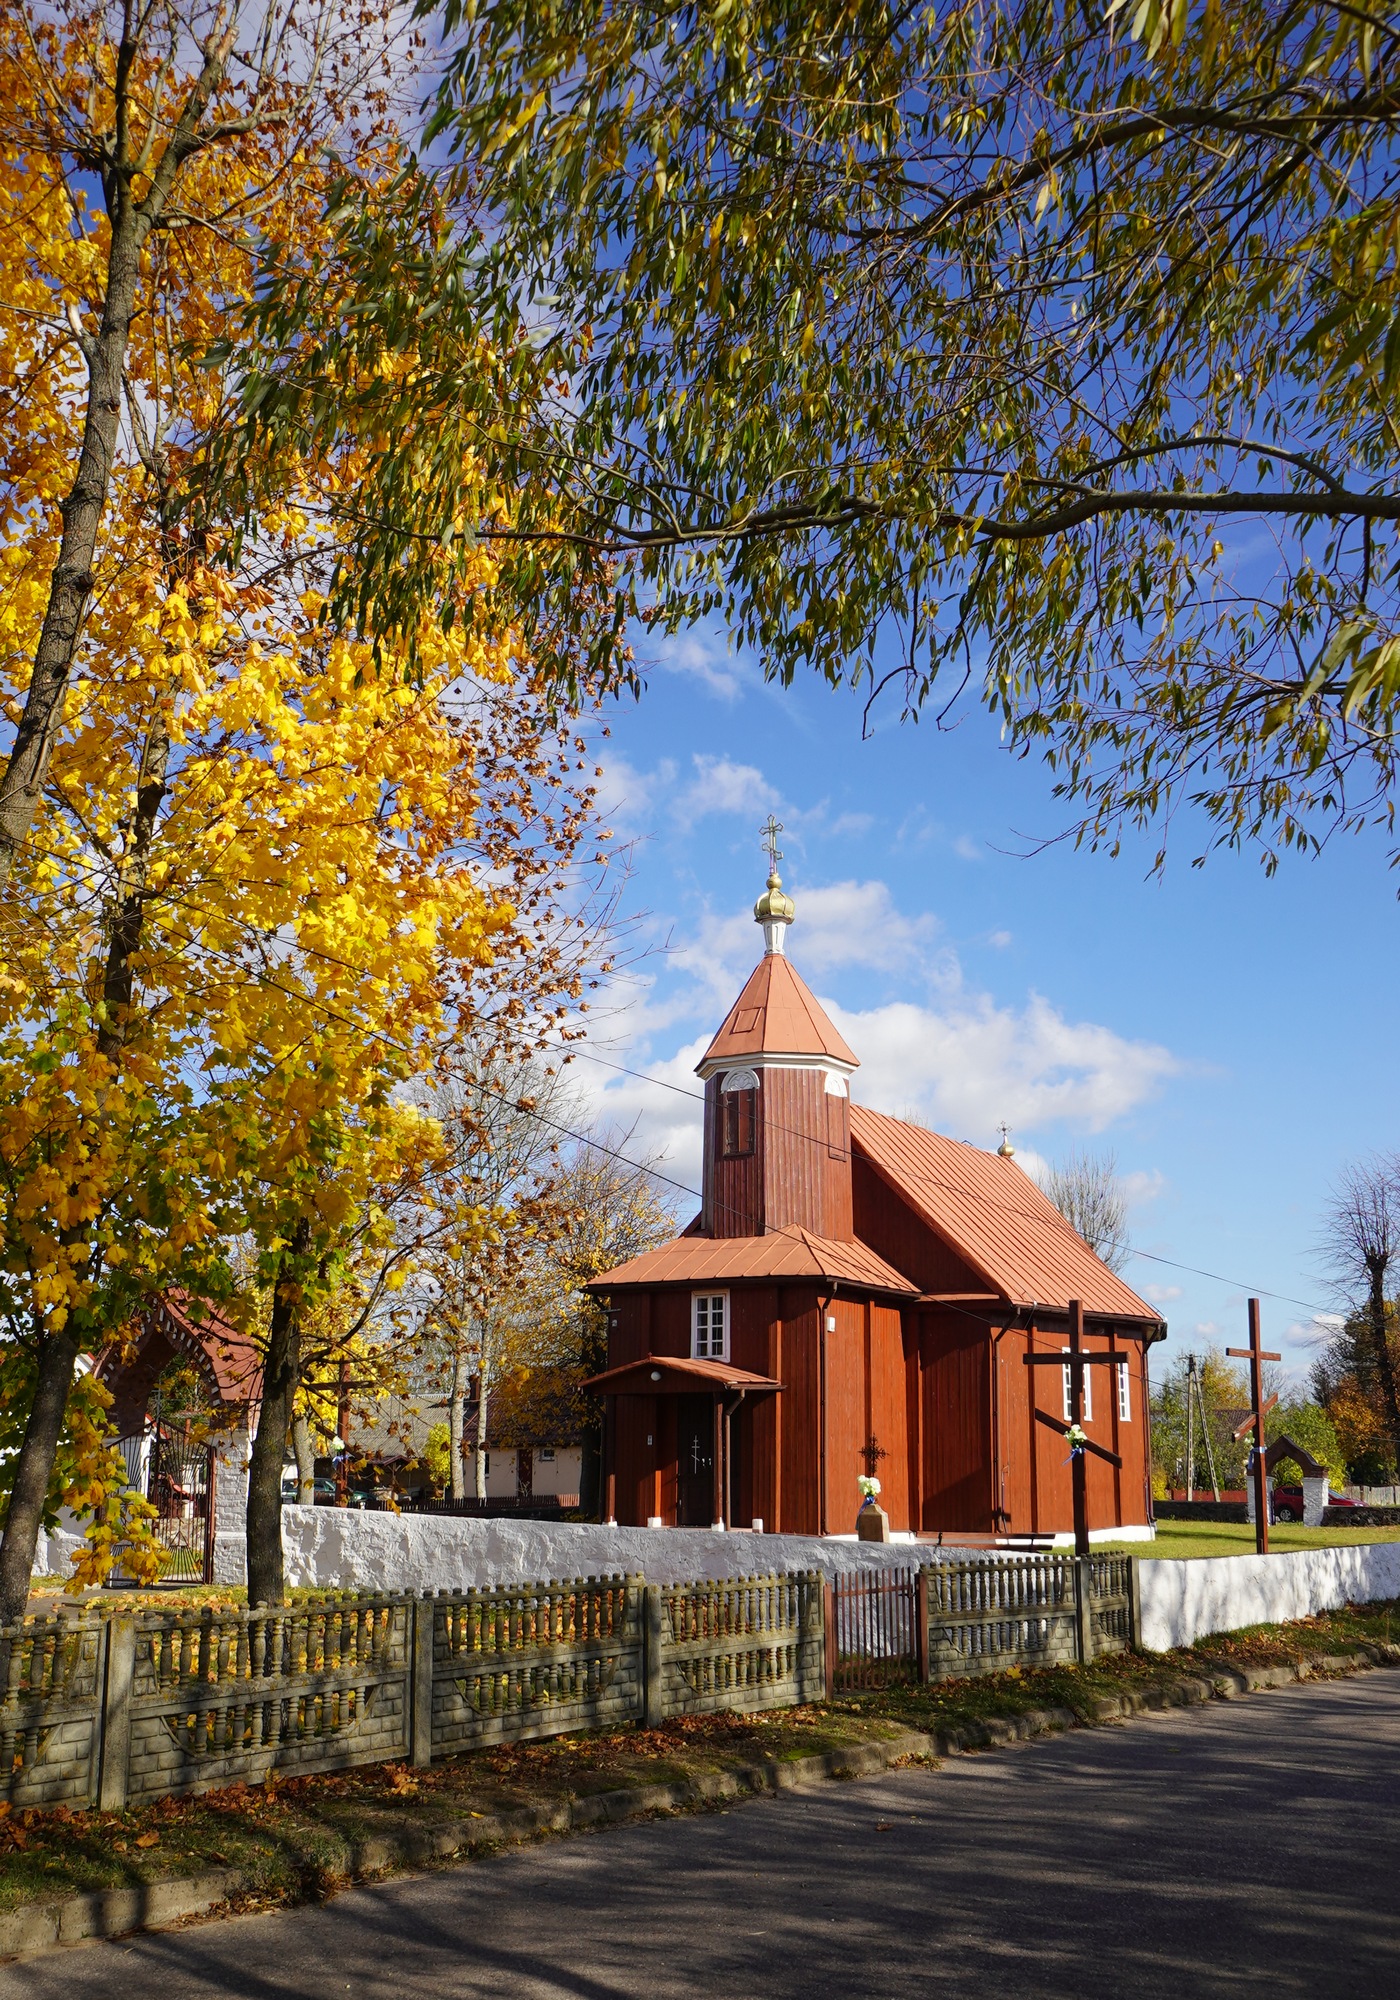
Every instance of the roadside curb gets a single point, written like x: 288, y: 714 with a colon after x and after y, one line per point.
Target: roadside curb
x: 110, y: 1913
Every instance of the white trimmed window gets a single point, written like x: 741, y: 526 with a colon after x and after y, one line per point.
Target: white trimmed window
x: 1069, y: 1391
x: 1125, y: 1394
x: 709, y: 1326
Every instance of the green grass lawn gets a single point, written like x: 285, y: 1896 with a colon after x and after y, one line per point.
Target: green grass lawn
x: 1189, y: 1539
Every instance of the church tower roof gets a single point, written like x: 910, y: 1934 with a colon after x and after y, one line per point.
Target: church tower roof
x: 776, y: 1015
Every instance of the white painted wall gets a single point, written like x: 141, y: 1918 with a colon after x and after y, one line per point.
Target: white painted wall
x: 1184, y: 1601
x: 561, y: 1474
x: 340, y: 1548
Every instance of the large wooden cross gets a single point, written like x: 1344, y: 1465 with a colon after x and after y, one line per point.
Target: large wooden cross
x: 1077, y: 1359
x: 1255, y: 1355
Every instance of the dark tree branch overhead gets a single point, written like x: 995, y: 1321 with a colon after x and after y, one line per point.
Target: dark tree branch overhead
x: 1005, y: 311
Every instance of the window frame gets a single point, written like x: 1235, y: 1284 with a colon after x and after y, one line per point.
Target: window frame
x: 1067, y: 1386
x: 1125, y: 1393
x: 709, y: 1353
x: 738, y: 1105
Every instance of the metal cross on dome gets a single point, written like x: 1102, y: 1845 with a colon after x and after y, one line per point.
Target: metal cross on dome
x: 768, y: 834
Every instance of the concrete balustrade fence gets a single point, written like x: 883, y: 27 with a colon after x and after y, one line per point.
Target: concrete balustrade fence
x: 115, y: 1709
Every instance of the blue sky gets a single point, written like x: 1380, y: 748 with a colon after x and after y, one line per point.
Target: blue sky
x: 1226, y: 1033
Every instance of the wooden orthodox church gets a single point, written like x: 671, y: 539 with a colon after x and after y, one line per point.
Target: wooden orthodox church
x: 858, y: 1296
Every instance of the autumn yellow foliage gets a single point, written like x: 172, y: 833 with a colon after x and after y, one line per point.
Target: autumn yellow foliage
x: 274, y: 871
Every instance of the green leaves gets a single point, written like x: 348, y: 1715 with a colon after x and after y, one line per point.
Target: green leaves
x: 1059, y: 348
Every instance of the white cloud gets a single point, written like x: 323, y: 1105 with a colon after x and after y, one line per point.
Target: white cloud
x: 1208, y: 1330
x: 704, y: 659
x: 966, y: 848
x: 1161, y: 1295
x: 971, y: 1063
x: 999, y: 940
x: 722, y: 786
x: 626, y: 795
x: 1141, y: 1187
x: 659, y: 1110
x: 856, y: 923
x: 852, y: 824
x: 956, y: 1058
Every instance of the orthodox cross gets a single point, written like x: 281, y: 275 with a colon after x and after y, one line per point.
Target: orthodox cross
x: 1076, y: 1359
x: 872, y: 1451
x: 1256, y: 1357
x: 768, y: 834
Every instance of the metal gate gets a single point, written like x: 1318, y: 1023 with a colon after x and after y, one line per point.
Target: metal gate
x: 876, y: 1630
x: 181, y: 1489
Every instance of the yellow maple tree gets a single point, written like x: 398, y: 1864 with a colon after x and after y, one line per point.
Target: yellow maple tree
x: 271, y: 873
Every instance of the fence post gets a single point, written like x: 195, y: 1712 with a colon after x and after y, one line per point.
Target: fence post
x: 829, y: 1635
x: 420, y: 1681
x: 1083, y: 1609
x: 1135, y: 1603
x: 811, y: 1656
x: 118, y: 1671
x: 653, y: 1681
x: 921, y: 1645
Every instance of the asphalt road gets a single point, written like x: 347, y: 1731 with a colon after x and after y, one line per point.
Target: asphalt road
x: 1248, y: 1848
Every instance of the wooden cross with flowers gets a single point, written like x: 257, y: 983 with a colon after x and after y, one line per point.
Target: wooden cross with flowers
x: 1076, y: 1359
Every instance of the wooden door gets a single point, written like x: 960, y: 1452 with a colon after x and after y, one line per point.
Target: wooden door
x: 695, y: 1461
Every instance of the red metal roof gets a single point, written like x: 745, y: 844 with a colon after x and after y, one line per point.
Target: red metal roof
x: 675, y: 1375
x: 995, y: 1216
x: 791, y: 1254
x: 776, y: 1015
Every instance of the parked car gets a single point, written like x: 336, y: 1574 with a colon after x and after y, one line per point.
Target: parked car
x: 324, y: 1490
x: 1288, y: 1502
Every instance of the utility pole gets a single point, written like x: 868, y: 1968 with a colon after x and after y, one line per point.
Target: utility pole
x: 1190, y: 1427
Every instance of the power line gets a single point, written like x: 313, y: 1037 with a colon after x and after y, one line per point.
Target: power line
x: 964, y: 1194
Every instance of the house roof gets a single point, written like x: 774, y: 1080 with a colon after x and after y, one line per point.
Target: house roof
x: 776, y: 1015
x: 676, y: 1375
x: 791, y: 1254
x: 994, y: 1216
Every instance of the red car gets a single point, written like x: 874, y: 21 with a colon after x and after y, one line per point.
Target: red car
x: 1288, y: 1502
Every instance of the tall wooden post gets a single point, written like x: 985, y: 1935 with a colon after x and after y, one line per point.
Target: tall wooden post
x: 1259, y: 1409
x: 1076, y: 1359
x: 1078, y: 1465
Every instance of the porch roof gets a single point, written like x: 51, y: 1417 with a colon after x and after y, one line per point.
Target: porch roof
x: 792, y: 1253
x: 678, y: 1375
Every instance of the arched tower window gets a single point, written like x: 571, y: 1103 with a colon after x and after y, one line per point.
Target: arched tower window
x: 738, y: 1097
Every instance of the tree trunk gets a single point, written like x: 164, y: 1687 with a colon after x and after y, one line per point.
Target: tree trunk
x: 483, y: 1393
x: 456, y: 1410
x: 1385, y: 1367
x: 58, y: 1352
x: 281, y: 1375
x: 70, y: 587
x: 306, y: 1462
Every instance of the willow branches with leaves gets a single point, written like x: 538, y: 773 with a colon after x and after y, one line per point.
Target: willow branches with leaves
x: 1046, y: 347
